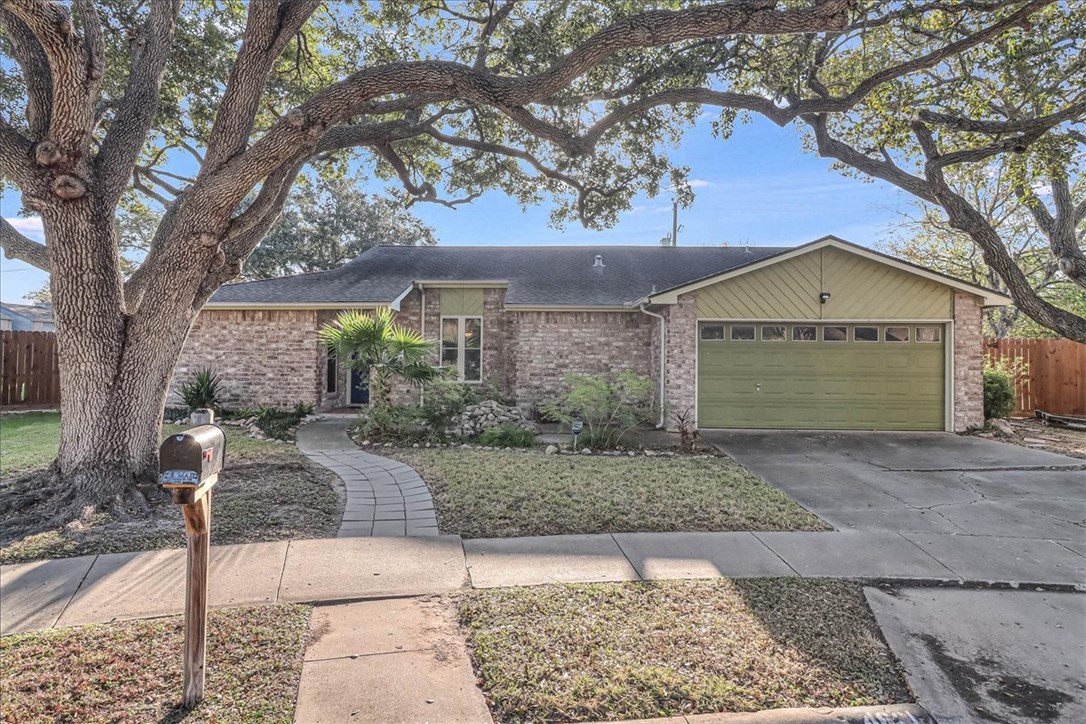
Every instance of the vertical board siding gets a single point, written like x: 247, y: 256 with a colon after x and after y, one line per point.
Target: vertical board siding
x: 859, y: 288
x: 1056, y: 379
x: 30, y: 369
x: 461, y: 302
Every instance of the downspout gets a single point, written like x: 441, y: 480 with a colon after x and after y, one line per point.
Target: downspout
x: 422, y: 332
x: 663, y: 357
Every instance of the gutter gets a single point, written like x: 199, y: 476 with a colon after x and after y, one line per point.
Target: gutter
x: 663, y: 358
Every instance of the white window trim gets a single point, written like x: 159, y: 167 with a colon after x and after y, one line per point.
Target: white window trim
x: 460, y: 319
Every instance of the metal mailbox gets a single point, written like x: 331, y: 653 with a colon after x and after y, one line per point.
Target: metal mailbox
x: 191, y: 460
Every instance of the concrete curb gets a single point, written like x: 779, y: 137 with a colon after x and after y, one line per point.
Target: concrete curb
x: 883, y: 714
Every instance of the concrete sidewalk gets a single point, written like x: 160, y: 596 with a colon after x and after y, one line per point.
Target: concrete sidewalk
x: 94, y: 589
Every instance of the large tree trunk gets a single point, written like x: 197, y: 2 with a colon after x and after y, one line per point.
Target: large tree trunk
x: 115, y: 370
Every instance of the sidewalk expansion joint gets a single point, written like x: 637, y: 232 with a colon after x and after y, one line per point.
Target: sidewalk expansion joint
x: 370, y: 655
x: 75, y: 592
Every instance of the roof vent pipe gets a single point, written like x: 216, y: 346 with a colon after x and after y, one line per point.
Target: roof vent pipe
x: 598, y: 264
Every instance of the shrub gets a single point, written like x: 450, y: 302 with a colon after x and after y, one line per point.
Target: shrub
x: 507, y: 436
x: 384, y: 423
x: 302, y: 409
x: 999, y: 378
x: 202, y: 390
x: 609, y: 409
x: 443, y: 401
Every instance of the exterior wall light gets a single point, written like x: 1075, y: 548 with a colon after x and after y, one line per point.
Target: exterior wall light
x: 823, y: 297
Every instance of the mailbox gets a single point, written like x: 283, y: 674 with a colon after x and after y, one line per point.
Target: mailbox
x: 191, y: 460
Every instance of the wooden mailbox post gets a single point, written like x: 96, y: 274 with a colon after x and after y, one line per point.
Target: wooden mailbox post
x: 189, y: 465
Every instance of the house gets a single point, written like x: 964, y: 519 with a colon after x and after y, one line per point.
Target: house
x: 827, y: 335
x: 27, y: 317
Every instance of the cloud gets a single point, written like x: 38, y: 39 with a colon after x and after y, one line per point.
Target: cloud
x: 30, y: 225
x: 699, y: 183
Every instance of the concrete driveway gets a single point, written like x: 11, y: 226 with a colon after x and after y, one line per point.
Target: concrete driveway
x: 921, y: 483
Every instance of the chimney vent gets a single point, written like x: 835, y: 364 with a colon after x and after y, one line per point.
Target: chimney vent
x: 598, y: 264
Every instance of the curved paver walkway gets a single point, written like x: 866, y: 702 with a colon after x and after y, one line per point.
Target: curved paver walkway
x: 384, y: 497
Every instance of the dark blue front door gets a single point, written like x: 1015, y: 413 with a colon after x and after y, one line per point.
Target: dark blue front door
x: 360, y: 386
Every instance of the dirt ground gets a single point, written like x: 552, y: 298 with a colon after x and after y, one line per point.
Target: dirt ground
x: 1036, y: 434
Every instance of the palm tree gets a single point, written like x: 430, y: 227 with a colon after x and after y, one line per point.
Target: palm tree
x: 375, y: 343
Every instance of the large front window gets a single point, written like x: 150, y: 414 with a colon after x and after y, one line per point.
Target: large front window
x: 462, y: 347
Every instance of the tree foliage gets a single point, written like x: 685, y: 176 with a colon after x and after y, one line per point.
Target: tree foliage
x: 923, y: 236
x: 329, y: 221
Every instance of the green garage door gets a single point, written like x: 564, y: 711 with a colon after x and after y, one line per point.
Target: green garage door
x: 821, y: 376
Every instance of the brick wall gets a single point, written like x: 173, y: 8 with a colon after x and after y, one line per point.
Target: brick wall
x: 968, y: 363
x: 546, y: 346
x: 682, y: 353
x: 263, y: 357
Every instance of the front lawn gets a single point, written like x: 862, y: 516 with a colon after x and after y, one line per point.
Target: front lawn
x: 131, y: 671
x: 267, y: 492
x: 612, y: 651
x: 497, y: 494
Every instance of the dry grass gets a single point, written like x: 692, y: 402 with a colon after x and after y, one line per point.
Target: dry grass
x: 495, y: 494
x: 638, y: 650
x: 267, y: 492
x: 131, y: 671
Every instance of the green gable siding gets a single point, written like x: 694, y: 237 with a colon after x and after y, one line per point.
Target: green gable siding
x: 462, y: 302
x: 859, y: 289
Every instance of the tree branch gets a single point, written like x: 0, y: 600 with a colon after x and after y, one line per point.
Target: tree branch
x: 268, y: 29
x: 137, y: 108
x: 31, y: 58
x: 17, y: 246
x: 15, y: 150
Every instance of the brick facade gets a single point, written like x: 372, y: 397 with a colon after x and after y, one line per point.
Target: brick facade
x: 968, y: 363
x: 544, y: 347
x: 273, y: 357
x: 682, y: 356
x: 262, y: 357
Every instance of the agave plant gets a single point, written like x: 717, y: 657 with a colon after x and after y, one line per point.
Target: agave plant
x: 373, y: 342
x: 202, y: 390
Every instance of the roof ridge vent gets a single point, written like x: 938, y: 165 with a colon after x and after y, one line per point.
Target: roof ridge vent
x: 598, y: 263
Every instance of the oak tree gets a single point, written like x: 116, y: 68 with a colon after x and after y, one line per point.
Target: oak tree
x: 483, y: 93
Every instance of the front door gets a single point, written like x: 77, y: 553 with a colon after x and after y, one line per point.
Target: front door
x: 360, y: 386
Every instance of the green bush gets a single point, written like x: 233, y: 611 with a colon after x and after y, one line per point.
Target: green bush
x: 442, y: 402
x: 202, y: 391
x: 609, y: 408
x: 999, y: 378
x: 506, y: 436
x: 279, y: 424
x: 998, y: 394
x: 302, y: 409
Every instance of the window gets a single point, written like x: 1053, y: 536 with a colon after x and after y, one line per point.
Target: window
x: 835, y: 334
x: 773, y: 334
x: 928, y: 335
x: 330, y: 373
x: 804, y: 334
x: 712, y: 331
x: 462, y: 347
x: 743, y: 332
x: 866, y: 334
x: 897, y: 334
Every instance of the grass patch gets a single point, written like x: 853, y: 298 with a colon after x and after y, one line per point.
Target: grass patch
x: 652, y: 649
x: 131, y: 671
x: 267, y: 492
x: 28, y: 441
x: 496, y: 494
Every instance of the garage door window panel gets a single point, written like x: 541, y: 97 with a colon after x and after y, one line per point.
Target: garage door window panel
x: 835, y: 334
x: 929, y: 335
x: 803, y: 333
x: 712, y: 332
x: 866, y: 334
x: 774, y: 333
x: 897, y: 334
x: 742, y: 332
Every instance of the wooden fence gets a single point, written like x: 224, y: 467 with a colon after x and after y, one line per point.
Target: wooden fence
x: 1056, y: 380
x: 30, y: 370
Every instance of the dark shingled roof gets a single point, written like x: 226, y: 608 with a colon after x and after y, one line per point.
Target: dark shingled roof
x: 537, y: 275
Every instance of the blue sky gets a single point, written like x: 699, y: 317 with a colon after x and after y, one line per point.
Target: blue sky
x: 757, y: 188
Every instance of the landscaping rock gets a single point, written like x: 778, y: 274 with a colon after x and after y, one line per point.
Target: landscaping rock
x: 1001, y: 426
x: 488, y: 414
x: 551, y: 450
x: 586, y: 451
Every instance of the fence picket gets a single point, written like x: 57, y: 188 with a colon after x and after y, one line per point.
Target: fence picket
x: 1056, y: 378
x: 30, y: 369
